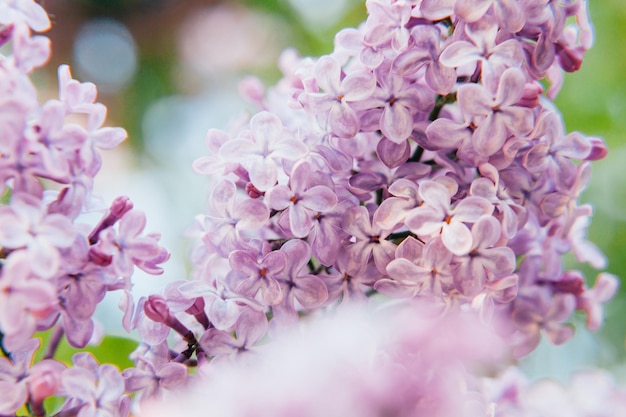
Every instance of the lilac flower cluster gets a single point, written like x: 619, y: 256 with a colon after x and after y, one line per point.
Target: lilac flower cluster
x: 418, y: 160
x: 418, y: 167
x: 54, y: 267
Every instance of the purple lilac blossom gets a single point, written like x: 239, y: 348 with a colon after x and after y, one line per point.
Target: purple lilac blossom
x: 420, y: 160
x: 426, y: 128
x: 55, y: 268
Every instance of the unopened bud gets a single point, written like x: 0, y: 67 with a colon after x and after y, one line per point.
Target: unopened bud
x: 156, y: 309
x: 252, y: 191
x: 97, y: 257
x: 120, y: 206
x: 598, y: 149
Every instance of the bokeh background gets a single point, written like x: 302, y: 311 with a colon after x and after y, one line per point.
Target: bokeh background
x: 168, y: 70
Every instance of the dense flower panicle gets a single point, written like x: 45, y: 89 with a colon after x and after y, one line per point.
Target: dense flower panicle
x: 420, y: 161
x: 420, y: 158
x: 54, y: 269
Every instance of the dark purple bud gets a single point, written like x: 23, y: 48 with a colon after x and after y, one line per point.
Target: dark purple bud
x: 570, y: 60
x: 252, y: 191
x: 119, y: 207
x: 570, y: 283
x: 156, y: 309
x: 598, y: 150
x: 96, y: 256
x: 197, y: 310
x: 530, y: 98
x: 6, y: 31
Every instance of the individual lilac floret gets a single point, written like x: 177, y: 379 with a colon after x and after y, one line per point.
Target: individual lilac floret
x: 250, y: 328
x: 479, y: 48
x: 25, y: 226
x: 509, y: 13
x: 25, y: 300
x: 230, y: 218
x: 258, y: 149
x: 303, y: 199
x: 94, y: 390
x: 418, y: 269
x: 401, y: 101
x: 438, y: 216
x: 21, y: 380
x: 485, y: 261
x: 496, y: 118
x: 369, y: 241
x: 152, y: 379
x: 259, y: 272
x: 127, y: 246
x: 339, y: 96
x: 301, y: 289
x: 426, y: 54
x: 388, y: 24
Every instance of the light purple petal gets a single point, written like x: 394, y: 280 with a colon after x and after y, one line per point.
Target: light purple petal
x: 440, y: 78
x: 470, y: 209
x: 45, y: 258
x: 252, y: 214
x: 223, y: 313
x: 217, y: 342
x: 396, y: 123
x: 327, y: 74
x: 457, y: 238
x: 408, y: 62
x: 474, y: 100
x: 172, y: 375
x: 436, y: 196
x: 343, y: 120
x: 251, y: 326
x: 472, y: 10
x: 392, y: 212
x: 222, y: 198
x: 359, y: 86
x: 511, y: 87
x: 266, y: 128
x: 132, y: 223
x: 486, y: 232
x: 310, y: 291
x: 459, y: 53
x: 489, y: 137
x: 437, y: 9
x: 263, y: 173
x: 393, y: 154
x: 319, y: 198
x: 404, y: 270
x: 300, y: 221
x: 445, y: 133
x: 510, y: 14
x: 424, y: 221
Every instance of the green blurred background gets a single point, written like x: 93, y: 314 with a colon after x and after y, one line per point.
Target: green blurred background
x: 186, y: 57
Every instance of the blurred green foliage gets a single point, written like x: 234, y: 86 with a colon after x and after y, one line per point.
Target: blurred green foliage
x: 113, y: 350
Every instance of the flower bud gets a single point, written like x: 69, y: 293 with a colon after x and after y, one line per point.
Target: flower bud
x: 156, y: 309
